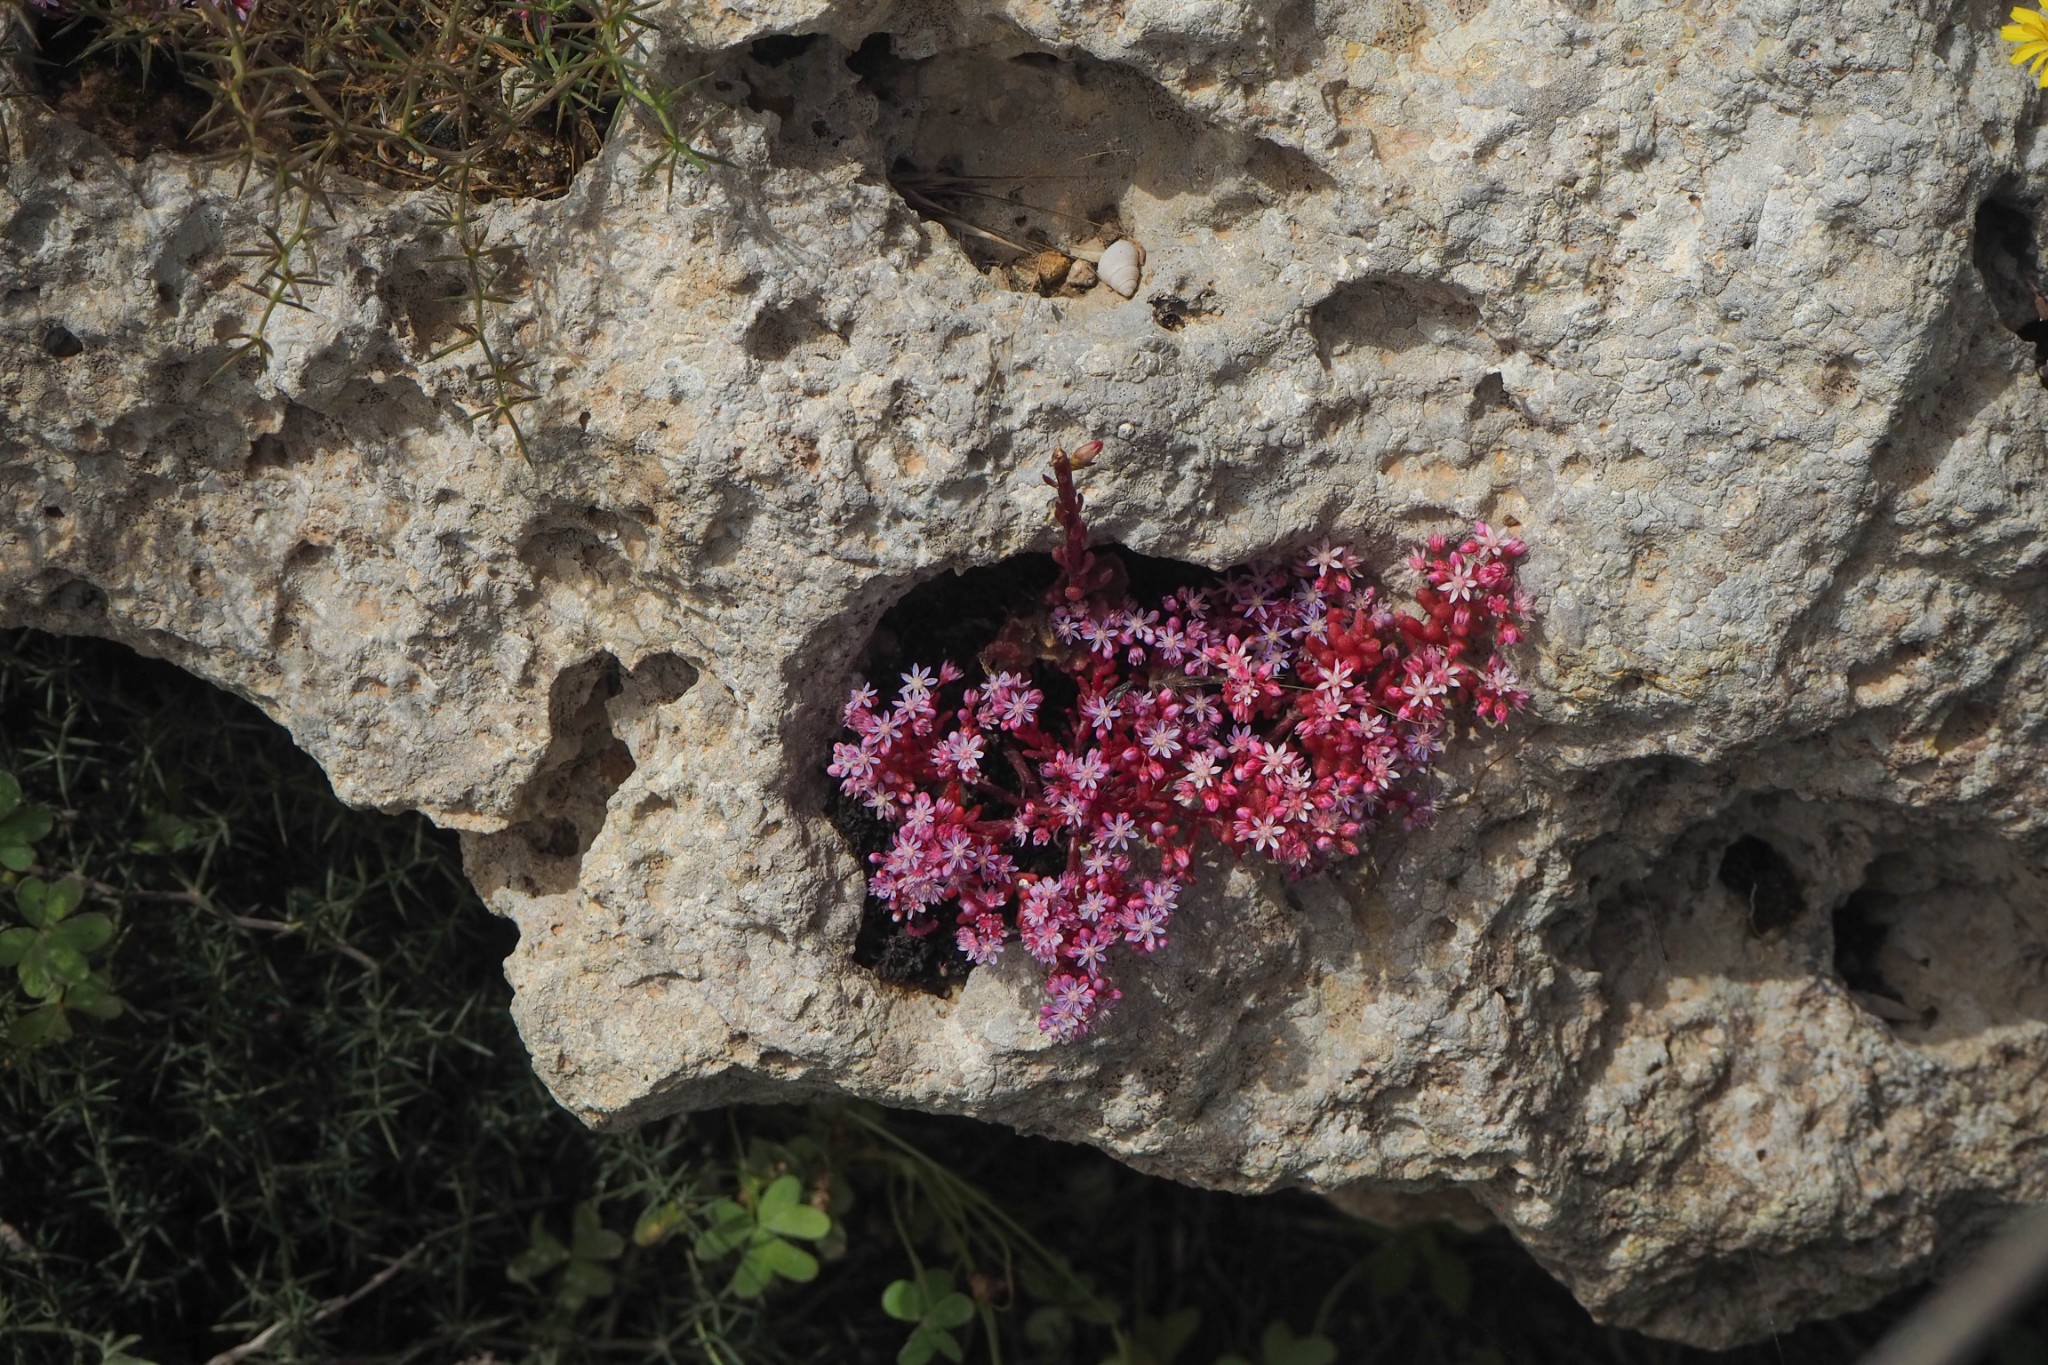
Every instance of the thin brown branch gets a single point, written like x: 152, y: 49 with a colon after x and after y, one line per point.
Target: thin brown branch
x: 261, y: 1341
x: 204, y: 902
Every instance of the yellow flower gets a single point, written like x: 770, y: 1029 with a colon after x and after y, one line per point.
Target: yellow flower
x: 2029, y: 28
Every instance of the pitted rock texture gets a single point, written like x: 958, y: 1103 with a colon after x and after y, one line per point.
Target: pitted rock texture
x: 1722, y: 980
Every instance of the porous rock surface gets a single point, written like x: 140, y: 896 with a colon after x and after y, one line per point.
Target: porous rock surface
x: 1720, y: 980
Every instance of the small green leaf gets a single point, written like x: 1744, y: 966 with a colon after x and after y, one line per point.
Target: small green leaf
x: 32, y: 898
x: 10, y: 794
x: 23, y: 828
x: 789, y: 1261
x: 543, y: 1253
x: 16, y: 857
x: 43, y: 1024
x: 752, y: 1278
x: 586, y: 1280
x: 592, y: 1240
x: 799, y: 1221
x: 14, y: 945
x: 94, y: 1000
x: 163, y: 833
x: 731, y: 1226
x: 64, y: 897
x: 903, y: 1301
x: 35, y: 971
x: 917, y: 1350
x: 85, y: 933
x: 659, y: 1223
x: 67, y: 965
x: 951, y: 1311
x: 945, y: 1343
x: 782, y: 1193
x: 116, y: 1353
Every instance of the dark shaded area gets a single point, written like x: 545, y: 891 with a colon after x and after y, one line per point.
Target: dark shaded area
x: 233, y: 1118
x: 60, y: 342
x: 1761, y: 877
x: 779, y: 49
x: 108, y: 91
x: 2007, y: 256
x: 1861, y: 925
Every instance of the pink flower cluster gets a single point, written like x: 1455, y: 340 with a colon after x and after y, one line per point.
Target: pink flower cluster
x: 1288, y: 712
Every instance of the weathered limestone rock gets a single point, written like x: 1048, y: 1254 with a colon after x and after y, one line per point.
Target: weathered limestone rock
x: 1723, y: 979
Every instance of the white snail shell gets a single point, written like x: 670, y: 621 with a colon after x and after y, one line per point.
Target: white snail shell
x: 1119, y: 266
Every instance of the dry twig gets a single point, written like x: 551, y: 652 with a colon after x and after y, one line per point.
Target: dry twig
x: 261, y: 1341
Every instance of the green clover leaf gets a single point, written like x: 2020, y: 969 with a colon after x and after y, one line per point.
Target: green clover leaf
x: 581, y: 1261
x: 783, y: 1214
x: 777, y: 1213
x: 43, y: 1024
x: 20, y: 826
x: 731, y: 1226
x: 52, y: 958
x: 937, y: 1309
x: 95, y: 996
x: 544, y: 1252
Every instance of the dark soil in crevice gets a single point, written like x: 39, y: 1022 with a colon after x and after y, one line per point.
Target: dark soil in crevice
x: 108, y: 93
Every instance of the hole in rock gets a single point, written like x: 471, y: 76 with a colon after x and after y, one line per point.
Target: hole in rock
x: 1393, y: 313
x: 1763, y: 879
x: 1862, y: 923
x: 1947, y: 935
x: 70, y: 596
x: 1489, y: 393
x: 779, y: 49
x: 2007, y: 256
x: 1939, y: 930
x: 1023, y: 159
x: 584, y: 764
x: 585, y: 547
x: 956, y: 616
x: 1027, y: 158
x: 777, y: 333
x: 60, y: 342
x: 102, y: 85
x: 1172, y: 312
